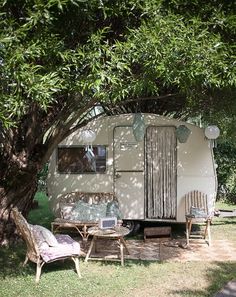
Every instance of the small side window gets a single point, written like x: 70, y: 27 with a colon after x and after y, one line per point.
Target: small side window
x: 81, y: 159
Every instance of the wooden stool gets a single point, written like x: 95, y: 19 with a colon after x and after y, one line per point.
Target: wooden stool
x: 156, y: 232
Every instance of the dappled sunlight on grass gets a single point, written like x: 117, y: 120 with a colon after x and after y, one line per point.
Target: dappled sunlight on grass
x: 223, y: 205
x: 107, y: 279
x: 224, y: 228
x: 136, y: 279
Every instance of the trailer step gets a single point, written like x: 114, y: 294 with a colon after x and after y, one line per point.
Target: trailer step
x: 157, y: 232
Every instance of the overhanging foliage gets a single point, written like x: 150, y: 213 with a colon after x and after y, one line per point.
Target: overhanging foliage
x: 60, y: 58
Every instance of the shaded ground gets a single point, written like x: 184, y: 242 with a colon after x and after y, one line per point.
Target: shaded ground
x: 170, y: 250
x: 229, y: 290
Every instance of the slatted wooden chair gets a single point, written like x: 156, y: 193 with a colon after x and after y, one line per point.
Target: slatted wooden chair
x: 196, y: 211
x: 39, y: 251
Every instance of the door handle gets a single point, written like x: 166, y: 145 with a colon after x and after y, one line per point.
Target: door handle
x: 117, y: 175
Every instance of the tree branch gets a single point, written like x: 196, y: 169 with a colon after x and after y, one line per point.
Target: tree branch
x: 116, y: 104
x: 62, y: 129
x: 83, y: 123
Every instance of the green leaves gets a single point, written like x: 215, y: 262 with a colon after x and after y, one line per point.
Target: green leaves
x: 112, y: 50
x: 28, y: 75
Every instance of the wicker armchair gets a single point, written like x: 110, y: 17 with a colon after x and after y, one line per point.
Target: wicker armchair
x: 40, y: 253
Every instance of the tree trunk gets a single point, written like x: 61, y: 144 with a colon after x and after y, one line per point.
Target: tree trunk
x: 18, y: 193
x: 23, y: 151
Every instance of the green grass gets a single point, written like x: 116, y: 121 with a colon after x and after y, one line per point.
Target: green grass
x: 107, y: 279
x: 42, y: 215
x: 102, y: 279
x: 224, y: 205
x: 224, y: 228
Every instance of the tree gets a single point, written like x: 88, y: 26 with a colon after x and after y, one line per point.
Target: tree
x: 225, y: 156
x: 60, y: 58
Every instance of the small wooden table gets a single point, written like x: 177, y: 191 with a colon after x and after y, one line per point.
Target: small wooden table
x: 117, y: 233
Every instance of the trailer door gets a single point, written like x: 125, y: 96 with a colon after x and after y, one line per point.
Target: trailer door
x: 160, y: 172
x: 129, y: 172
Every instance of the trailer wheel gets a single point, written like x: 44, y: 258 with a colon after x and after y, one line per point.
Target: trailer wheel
x: 133, y: 226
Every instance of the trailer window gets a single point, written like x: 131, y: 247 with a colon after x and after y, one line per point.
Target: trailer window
x: 81, y: 159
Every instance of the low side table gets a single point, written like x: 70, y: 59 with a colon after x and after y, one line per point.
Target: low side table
x: 117, y: 233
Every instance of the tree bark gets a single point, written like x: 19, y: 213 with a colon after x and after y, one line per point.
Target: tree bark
x: 20, y: 161
x: 18, y: 193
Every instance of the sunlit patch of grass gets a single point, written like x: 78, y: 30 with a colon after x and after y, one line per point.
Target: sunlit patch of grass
x: 224, y: 228
x: 225, y: 206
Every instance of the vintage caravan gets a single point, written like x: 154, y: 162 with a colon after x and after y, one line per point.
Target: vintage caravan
x: 150, y: 162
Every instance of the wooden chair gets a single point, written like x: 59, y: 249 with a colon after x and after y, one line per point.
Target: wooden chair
x: 196, y: 211
x: 41, y: 254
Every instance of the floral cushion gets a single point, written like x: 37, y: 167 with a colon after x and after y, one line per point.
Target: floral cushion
x: 66, y: 247
x: 66, y: 210
x: 86, y: 212
x: 43, y: 235
x: 197, y: 212
x: 97, y: 211
x: 113, y: 210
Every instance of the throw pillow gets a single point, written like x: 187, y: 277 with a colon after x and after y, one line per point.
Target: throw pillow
x: 197, y: 212
x: 97, y: 211
x: 81, y: 211
x: 44, y: 235
x: 66, y: 211
x: 113, y: 210
x: 86, y: 212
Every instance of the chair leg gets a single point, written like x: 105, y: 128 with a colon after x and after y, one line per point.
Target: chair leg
x: 38, y: 270
x: 188, y: 230
x: 26, y: 260
x: 90, y: 249
x: 125, y: 245
x: 208, y: 231
x: 76, y: 260
x: 121, y: 252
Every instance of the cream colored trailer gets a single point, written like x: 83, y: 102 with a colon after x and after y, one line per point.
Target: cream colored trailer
x: 150, y: 177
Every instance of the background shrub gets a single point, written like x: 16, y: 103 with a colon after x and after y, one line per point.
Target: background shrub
x: 225, y: 158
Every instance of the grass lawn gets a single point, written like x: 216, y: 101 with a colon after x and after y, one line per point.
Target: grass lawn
x: 108, y: 279
x: 222, y: 205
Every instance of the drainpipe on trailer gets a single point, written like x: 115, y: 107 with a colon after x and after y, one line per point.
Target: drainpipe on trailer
x: 214, y: 168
